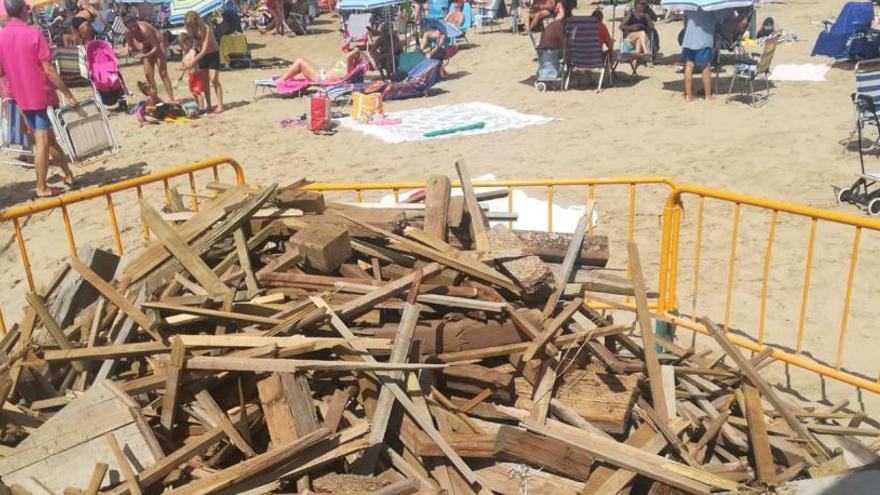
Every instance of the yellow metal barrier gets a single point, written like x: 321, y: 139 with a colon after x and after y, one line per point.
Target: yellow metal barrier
x: 776, y: 214
x: 17, y: 214
x: 669, y: 209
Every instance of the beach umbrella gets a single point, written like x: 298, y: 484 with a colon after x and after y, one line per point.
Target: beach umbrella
x: 707, y: 5
x: 367, y: 4
x: 179, y: 8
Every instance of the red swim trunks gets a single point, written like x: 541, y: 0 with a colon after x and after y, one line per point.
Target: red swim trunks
x: 197, y: 82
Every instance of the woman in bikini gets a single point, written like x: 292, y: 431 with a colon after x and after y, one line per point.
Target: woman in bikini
x: 208, y: 57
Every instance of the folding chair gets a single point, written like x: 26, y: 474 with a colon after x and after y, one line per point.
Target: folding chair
x: 13, y: 138
x: 83, y: 132
x: 585, y: 50
x: 71, y: 65
x: 234, y: 51
x: 751, y: 69
x: 491, y: 15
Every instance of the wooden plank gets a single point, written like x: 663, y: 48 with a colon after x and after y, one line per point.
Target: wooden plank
x: 550, y: 331
x: 242, y: 471
x: 97, y: 479
x: 606, y: 480
x: 437, y: 196
x: 516, y: 444
x: 671, y: 437
x: 203, y: 397
x: 261, y: 365
x: 178, y: 248
x: 478, y: 223
x: 655, y: 376
x: 155, y: 253
x: 571, y: 257
x: 115, y: 297
x: 213, y: 313
x: 456, y: 261
x: 173, y: 379
x: 365, y: 303
x: 655, y: 467
x: 42, y: 312
x: 761, y: 456
x: 407, y: 404
x: 336, y: 408
x: 385, y: 404
x: 122, y: 461
x: 746, y: 368
x: 244, y: 259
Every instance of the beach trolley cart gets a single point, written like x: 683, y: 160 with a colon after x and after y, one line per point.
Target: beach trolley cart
x: 865, y: 100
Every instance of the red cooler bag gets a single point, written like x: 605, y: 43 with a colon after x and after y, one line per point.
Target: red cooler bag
x: 319, y: 113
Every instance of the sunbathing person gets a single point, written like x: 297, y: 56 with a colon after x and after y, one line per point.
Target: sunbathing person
x: 309, y: 71
x: 455, y: 18
x: 540, y: 10
x: 637, y: 26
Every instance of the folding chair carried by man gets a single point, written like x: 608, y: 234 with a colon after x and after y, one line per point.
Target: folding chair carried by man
x: 84, y: 132
x: 71, y: 65
x: 750, y: 70
x: 585, y: 51
x: 15, y: 143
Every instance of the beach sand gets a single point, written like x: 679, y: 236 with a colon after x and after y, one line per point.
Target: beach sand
x: 793, y: 149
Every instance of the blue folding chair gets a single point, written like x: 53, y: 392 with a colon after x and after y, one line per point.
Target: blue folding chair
x: 851, y: 36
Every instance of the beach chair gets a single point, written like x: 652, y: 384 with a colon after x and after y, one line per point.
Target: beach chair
x: 752, y: 69
x: 850, y: 37
x: 296, y: 87
x: 83, y: 132
x: 70, y: 63
x: 418, y: 82
x: 356, y: 29
x: 866, y: 100
x: 585, y: 51
x: 490, y: 15
x: 234, y: 51
x: 14, y: 139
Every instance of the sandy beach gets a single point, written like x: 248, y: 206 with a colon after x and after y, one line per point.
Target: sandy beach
x: 793, y: 148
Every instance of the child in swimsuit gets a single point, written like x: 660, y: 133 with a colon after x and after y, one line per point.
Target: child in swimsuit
x: 197, y: 77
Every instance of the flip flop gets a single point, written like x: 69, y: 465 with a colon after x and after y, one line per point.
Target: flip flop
x: 53, y: 192
x: 70, y: 183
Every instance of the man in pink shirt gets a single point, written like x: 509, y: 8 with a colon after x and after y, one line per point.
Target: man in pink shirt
x: 26, y: 62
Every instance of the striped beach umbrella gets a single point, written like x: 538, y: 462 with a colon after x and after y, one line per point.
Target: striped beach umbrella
x: 707, y: 5
x: 179, y: 8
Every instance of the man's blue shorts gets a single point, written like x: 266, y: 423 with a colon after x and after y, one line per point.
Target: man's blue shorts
x: 37, y: 120
x: 701, y: 57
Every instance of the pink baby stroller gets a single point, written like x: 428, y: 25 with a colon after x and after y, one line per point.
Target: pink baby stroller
x: 105, y: 76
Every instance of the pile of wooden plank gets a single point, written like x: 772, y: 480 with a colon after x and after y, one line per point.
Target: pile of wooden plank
x: 276, y: 342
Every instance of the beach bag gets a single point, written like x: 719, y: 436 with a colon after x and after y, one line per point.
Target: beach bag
x: 364, y: 106
x: 318, y: 113
x: 548, y: 65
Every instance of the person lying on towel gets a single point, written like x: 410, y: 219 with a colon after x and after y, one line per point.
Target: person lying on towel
x: 449, y: 27
x: 305, y: 69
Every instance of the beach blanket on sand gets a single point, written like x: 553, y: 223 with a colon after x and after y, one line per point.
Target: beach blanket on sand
x: 799, y: 72
x: 415, y: 123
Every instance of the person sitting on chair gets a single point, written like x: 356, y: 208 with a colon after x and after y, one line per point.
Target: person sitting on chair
x: 385, y: 49
x: 540, y: 10
x: 455, y: 18
x: 604, y: 35
x: 637, y: 26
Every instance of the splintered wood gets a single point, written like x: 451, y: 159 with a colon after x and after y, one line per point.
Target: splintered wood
x: 276, y: 341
